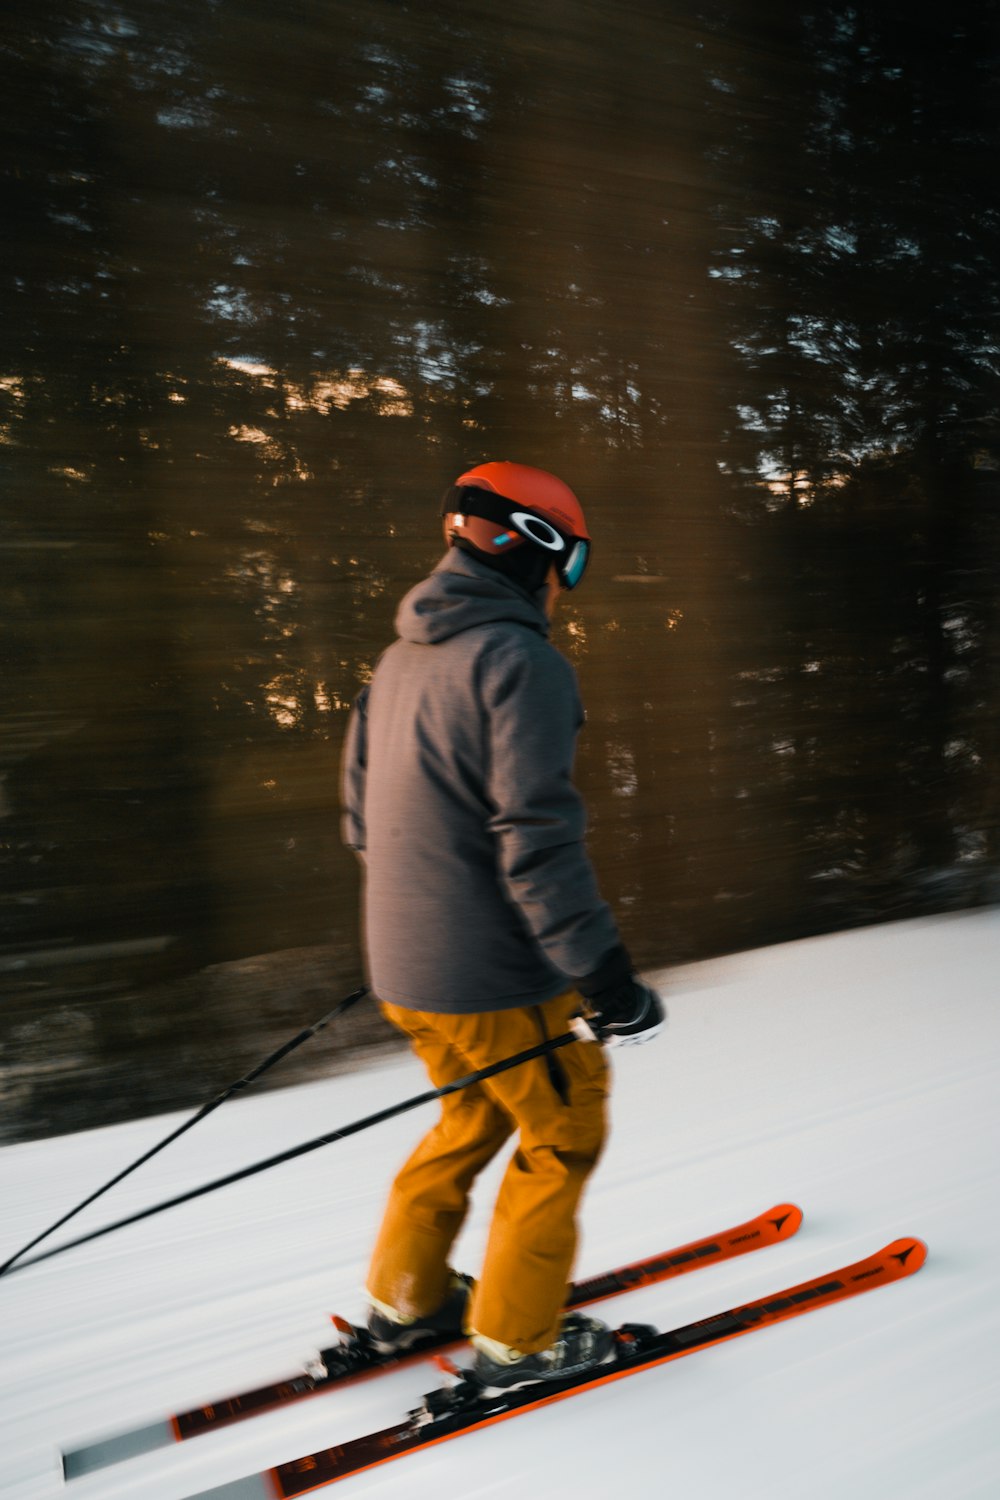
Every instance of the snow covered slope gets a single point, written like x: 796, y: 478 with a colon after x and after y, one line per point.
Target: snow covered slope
x: 858, y: 1075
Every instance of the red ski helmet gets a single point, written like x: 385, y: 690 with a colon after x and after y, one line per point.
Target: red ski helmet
x: 498, y: 508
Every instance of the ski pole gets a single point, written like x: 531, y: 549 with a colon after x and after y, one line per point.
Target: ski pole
x: 514, y: 1061
x: 206, y: 1109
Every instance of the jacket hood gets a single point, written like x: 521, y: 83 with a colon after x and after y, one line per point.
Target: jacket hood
x: 462, y: 593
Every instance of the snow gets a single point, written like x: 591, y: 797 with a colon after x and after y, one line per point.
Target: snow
x: 857, y: 1075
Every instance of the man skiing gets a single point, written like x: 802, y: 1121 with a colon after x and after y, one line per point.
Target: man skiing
x: 484, y: 928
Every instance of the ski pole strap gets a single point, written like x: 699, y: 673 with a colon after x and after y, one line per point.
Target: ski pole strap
x: 541, y: 1050
x: 206, y: 1109
x: 557, y: 1074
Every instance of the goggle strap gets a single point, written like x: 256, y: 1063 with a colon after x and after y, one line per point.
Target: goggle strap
x: 468, y: 499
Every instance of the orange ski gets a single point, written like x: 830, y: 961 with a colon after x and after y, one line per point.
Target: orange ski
x: 462, y: 1408
x: 354, y: 1360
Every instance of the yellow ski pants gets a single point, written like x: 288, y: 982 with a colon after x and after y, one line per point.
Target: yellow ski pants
x: 532, y: 1240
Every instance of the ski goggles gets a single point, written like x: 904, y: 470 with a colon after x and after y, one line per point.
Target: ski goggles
x: 483, y: 512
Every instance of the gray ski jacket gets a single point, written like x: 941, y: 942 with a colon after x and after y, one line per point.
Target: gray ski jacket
x: 479, y: 894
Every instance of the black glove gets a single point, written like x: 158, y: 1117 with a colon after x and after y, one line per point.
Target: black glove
x: 622, y: 1010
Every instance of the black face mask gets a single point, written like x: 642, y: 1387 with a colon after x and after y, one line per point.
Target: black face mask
x: 528, y: 566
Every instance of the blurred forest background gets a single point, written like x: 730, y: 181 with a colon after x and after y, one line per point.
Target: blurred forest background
x: 274, y: 274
